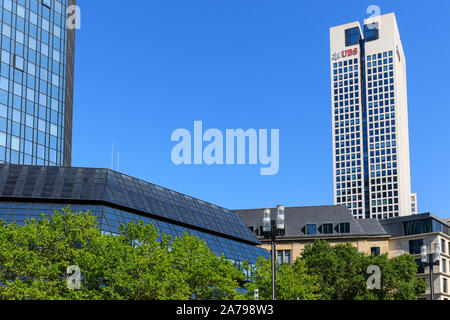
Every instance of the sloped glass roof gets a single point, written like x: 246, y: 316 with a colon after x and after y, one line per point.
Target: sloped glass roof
x: 89, y: 184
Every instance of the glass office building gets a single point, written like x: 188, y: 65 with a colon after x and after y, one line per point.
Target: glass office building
x: 36, y: 82
x: 370, y: 119
x: 115, y: 198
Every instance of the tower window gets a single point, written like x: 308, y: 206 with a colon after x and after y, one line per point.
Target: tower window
x: 18, y: 63
x: 371, y: 32
x: 352, y: 36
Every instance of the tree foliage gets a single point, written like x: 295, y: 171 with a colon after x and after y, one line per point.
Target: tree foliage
x: 342, y: 273
x: 398, y: 278
x: 143, y: 264
x: 293, y: 281
x: 138, y: 264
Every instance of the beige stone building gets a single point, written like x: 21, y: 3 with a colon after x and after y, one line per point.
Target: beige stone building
x: 409, y: 234
x: 335, y: 224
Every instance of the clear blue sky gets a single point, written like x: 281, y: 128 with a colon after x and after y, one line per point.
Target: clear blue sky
x: 146, y: 68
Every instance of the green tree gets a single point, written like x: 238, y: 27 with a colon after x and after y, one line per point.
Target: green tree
x: 138, y: 264
x: 398, y: 278
x: 293, y: 281
x: 342, y: 273
x: 206, y: 275
x: 340, y: 270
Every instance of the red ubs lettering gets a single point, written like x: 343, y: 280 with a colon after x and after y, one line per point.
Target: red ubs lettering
x: 349, y: 52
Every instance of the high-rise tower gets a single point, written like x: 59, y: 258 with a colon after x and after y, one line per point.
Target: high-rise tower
x: 370, y: 119
x: 36, y: 82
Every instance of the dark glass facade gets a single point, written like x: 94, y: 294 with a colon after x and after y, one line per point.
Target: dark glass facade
x: 424, y: 226
x: 352, y: 36
x: 114, y: 198
x: 371, y: 32
x: 418, y: 227
x: 36, y: 82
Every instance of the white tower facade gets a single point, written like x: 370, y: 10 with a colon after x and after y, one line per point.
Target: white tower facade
x: 370, y: 119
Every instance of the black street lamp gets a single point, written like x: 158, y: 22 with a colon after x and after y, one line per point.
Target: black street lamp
x: 431, y: 260
x: 272, y: 229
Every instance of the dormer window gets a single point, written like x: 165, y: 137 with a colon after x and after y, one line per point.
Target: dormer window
x: 327, y: 228
x: 311, y: 229
x: 344, y: 227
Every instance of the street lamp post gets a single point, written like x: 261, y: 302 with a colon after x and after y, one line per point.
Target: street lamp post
x: 272, y: 229
x: 431, y: 260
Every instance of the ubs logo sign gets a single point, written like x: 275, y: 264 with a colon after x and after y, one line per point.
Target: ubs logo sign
x: 336, y: 56
x: 345, y: 53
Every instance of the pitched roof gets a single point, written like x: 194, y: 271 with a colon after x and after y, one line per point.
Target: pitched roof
x: 296, y: 219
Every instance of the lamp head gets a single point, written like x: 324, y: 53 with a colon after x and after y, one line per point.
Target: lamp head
x: 280, y: 217
x: 266, y: 220
x: 423, y: 254
x: 437, y: 252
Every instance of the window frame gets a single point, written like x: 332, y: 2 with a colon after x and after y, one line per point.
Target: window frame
x: 311, y: 225
x: 342, y: 230
x: 327, y: 224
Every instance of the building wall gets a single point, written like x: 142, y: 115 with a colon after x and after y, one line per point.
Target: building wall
x: 414, y: 208
x: 347, y: 119
x: 394, y: 247
x: 370, y: 121
x: 389, y: 41
x: 400, y: 245
x: 297, y: 246
x: 68, y: 112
